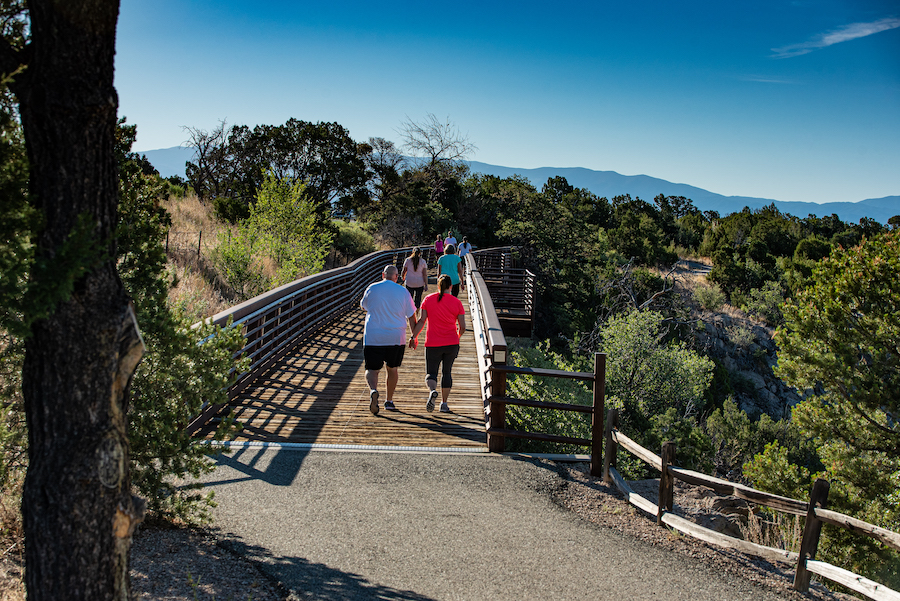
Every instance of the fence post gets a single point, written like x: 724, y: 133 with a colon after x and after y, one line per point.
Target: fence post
x: 666, y: 481
x: 597, y: 430
x: 497, y: 417
x: 199, y: 239
x: 609, y: 458
x: 810, y: 542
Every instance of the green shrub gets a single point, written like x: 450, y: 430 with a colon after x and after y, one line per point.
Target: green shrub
x: 231, y: 210
x: 239, y: 264
x: 352, y: 240
x: 741, y: 336
x: 765, y: 303
x: 710, y: 298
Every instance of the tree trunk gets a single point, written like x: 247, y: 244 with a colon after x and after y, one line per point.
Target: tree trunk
x: 78, y: 510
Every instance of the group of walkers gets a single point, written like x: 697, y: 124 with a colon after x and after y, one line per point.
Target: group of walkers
x: 389, y: 309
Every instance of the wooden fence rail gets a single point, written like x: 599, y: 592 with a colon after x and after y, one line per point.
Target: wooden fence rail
x: 813, y: 511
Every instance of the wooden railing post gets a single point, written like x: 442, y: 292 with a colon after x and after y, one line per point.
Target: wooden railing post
x: 597, y: 430
x: 810, y: 542
x: 666, y: 481
x: 497, y: 417
x: 609, y: 458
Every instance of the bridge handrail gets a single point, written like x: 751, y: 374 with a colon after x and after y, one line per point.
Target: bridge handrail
x: 493, y: 351
x: 273, y: 322
x: 813, y: 511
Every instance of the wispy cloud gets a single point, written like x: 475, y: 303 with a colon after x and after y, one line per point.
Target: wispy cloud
x: 764, y: 79
x: 830, y: 38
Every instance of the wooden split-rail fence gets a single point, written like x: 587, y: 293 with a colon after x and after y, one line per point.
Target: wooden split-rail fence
x: 501, y: 301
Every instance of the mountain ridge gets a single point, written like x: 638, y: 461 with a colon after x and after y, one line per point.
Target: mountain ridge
x: 170, y: 161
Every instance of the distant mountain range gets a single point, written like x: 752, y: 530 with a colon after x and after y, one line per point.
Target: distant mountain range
x: 170, y: 161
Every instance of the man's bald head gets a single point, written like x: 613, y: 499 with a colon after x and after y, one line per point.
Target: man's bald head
x: 389, y: 273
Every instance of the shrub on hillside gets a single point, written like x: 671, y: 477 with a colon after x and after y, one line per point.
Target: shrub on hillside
x: 710, y: 298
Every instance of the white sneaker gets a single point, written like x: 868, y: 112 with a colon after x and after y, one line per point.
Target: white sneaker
x: 429, y: 406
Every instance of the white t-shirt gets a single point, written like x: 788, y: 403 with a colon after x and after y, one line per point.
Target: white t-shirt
x: 450, y: 240
x: 388, y: 307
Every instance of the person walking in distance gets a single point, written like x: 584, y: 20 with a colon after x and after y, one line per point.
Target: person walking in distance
x: 389, y: 308
x: 439, y: 245
x: 464, y: 247
x: 450, y: 264
x: 446, y: 320
x: 415, y: 276
x: 450, y: 239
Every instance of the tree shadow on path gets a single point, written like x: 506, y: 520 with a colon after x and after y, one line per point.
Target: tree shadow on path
x: 306, y: 580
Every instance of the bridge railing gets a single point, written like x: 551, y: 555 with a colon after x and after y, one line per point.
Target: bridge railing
x: 814, y: 511
x: 274, y: 322
x: 492, y: 352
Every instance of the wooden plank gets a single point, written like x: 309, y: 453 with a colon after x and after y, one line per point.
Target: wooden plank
x: 867, y: 587
x: 723, y: 540
x: 637, y: 450
x: 541, y: 404
x: 887, y: 537
x: 785, y: 504
x: 538, y: 371
x: 631, y: 496
x: 317, y: 393
x: 688, y: 527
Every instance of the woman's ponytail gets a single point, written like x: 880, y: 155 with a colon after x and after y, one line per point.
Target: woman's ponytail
x: 443, y: 285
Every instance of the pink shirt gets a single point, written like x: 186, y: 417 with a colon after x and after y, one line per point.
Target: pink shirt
x: 415, y: 278
x: 442, y: 328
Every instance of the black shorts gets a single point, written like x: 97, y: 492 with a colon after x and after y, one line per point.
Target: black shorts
x: 377, y: 356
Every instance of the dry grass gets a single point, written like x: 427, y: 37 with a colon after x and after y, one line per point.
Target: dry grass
x: 776, y: 530
x: 189, y: 214
x: 12, y: 542
x: 199, y: 291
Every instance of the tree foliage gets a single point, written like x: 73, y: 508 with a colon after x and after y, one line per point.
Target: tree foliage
x: 841, y: 344
x: 176, y: 376
x: 283, y: 227
x: 232, y: 163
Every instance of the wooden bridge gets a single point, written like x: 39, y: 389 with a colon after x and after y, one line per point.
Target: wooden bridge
x: 307, y: 383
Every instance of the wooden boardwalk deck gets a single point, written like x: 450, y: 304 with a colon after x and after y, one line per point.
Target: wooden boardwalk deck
x: 318, y: 394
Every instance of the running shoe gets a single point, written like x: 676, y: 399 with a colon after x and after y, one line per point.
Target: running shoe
x: 373, y: 402
x: 445, y: 408
x: 389, y: 405
x: 429, y: 406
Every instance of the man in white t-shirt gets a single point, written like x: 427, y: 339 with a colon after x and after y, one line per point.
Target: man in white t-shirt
x: 389, y: 308
x: 450, y: 239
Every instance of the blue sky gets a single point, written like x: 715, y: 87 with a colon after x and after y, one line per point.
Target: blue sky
x: 795, y: 101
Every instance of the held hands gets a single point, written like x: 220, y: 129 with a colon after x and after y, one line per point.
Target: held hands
x: 413, y: 342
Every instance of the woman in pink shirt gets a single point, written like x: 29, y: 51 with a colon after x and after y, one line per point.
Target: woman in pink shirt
x: 446, y: 323
x: 439, y: 245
